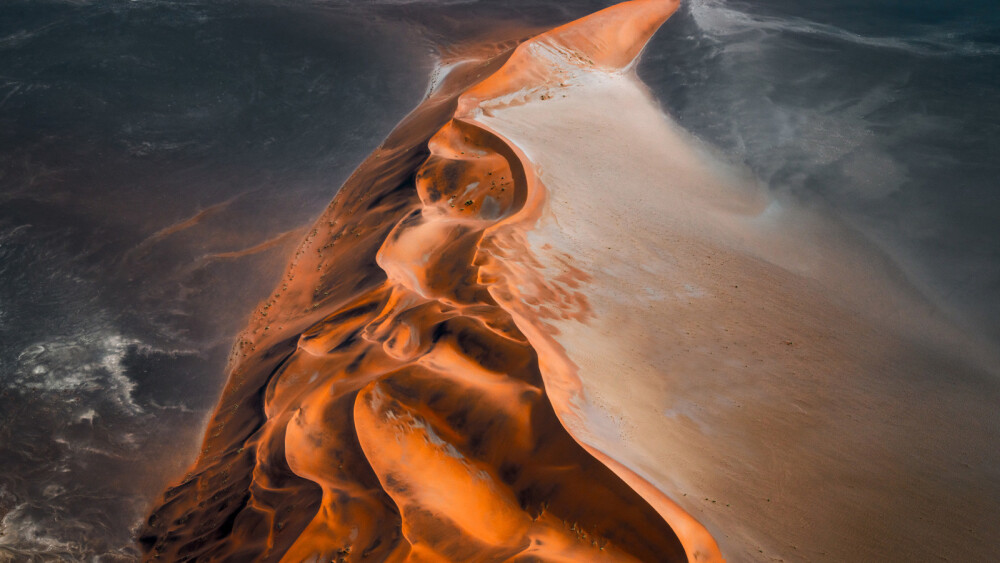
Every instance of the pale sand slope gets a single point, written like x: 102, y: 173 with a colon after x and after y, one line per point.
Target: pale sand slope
x: 756, y: 363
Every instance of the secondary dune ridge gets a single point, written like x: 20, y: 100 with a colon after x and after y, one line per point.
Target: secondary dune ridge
x: 384, y: 404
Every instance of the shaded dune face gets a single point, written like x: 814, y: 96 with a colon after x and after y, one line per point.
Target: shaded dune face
x: 383, y: 405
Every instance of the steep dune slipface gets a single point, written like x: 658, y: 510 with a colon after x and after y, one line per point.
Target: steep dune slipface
x: 384, y: 404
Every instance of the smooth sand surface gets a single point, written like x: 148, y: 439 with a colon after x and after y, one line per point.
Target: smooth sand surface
x: 760, y: 364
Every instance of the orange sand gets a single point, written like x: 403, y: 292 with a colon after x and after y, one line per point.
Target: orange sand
x: 383, y: 405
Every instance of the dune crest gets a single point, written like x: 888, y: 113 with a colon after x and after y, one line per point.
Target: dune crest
x: 384, y: 404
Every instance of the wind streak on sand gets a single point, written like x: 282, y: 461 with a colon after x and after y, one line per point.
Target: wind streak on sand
x: 384, y: 404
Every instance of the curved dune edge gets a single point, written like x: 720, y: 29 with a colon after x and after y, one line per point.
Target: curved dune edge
x: 388, y: 402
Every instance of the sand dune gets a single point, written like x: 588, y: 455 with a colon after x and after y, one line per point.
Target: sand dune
x: 383, y: 405
x: 541, y: 322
